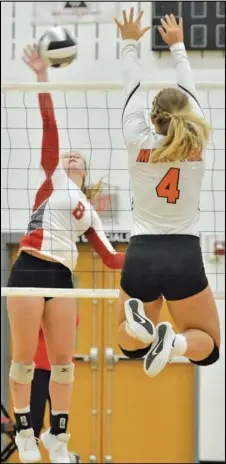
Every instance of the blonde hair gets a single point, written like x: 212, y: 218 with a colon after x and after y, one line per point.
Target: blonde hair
x: 93, y: 191
x: 186, y: 134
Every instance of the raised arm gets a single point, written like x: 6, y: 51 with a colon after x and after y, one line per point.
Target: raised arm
x: 135, y: 126
x: 172, y: 34
x: 100, y: 243
x: 134, y: 123
x: 50, y: 139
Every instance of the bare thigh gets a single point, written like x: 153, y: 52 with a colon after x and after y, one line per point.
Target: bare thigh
x: 197, y: 312
x: 59, y: 324
x: 152, y: 309
x: 25, y: 315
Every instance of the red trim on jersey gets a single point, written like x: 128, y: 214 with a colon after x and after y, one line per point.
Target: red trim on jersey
x: 49, y: 162
x: 111, y: 260
x: 43, y: 193
x: 50, y: 148
x: 33, y: 240
x: 50, y: 139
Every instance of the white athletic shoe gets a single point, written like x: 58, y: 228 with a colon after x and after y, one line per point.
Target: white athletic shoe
x: 27, y: 446
x: 160, y: 352
x: 74, y: 458
x: 57, y: 446
x: 137, y: 323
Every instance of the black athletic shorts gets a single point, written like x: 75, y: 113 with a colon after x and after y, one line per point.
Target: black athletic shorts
x: 30, y: 271
x: 168, y: 265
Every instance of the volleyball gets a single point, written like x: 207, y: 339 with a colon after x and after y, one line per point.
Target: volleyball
x: 58, y: 48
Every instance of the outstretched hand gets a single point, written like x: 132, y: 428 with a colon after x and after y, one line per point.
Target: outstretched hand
x: 130, y: 28
x: 32, y: 58
x: 170, y: 31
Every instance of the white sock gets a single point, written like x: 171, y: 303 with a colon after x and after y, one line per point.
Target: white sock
x: 179, y: 345
x: 56, y: 413
x: 22, y: 411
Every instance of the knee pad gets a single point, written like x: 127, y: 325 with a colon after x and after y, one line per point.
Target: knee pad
x: 136, y: 354
x: 63, y: 373
x: 211, y: 359
x: 22, y: 373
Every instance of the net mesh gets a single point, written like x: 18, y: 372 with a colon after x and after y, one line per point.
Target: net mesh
x: 90, y: 121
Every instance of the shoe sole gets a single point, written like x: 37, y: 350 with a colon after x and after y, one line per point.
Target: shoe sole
x: 153, y: 367
x: 26, y: 461
x: 144, y: 330
x: 42, y: 438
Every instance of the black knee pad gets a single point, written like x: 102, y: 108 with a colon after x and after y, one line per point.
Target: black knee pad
x: 136, y: 354
x: 211, y: 359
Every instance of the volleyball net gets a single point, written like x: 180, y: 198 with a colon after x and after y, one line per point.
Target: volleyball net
x: 89, y: 120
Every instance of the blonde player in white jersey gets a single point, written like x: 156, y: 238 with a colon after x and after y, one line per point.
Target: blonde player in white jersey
x: 164, y: 257
x: 47, y: 256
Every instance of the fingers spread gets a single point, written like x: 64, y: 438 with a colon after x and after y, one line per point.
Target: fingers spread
x: 31, y: 50
x: 145, y: 29
x: 118, y: 23
x: 164, y: 24
x: 124, y: 17
x: 161, y: 31
x: 173, y: 20
x: 26, y: 59
x: 27, y: 53
x: 139, y: 17
x: 169, y: 21
x: 131, y: 15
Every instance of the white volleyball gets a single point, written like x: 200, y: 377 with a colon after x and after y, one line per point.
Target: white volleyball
x: 58, y: 48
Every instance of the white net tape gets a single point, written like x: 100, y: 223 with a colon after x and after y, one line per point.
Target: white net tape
x: 62, y: 292
x: 89, y: 120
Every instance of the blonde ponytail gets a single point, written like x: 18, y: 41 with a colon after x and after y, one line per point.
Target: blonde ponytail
x: 93, y: 191
x: 186, y: 134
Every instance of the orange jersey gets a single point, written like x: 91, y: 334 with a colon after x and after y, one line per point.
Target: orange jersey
x: 166, y: 195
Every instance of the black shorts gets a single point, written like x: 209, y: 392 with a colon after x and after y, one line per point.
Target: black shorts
x: 168, y: 265
x: 30, y: 271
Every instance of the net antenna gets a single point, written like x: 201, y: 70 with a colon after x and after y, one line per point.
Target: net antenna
x: 52, y: 13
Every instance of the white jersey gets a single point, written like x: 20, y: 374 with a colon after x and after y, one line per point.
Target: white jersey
x: 166, y: 195
x: 61, y: 212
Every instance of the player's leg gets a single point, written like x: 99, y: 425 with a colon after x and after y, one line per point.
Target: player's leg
x: 39, y: 398
x: 197, y: 318
x: 74, y: 457
x: 25, y: 315
x: 136, y: 320
x: 140, y: 299
x: 192, y: 307
x: 59, y: 324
